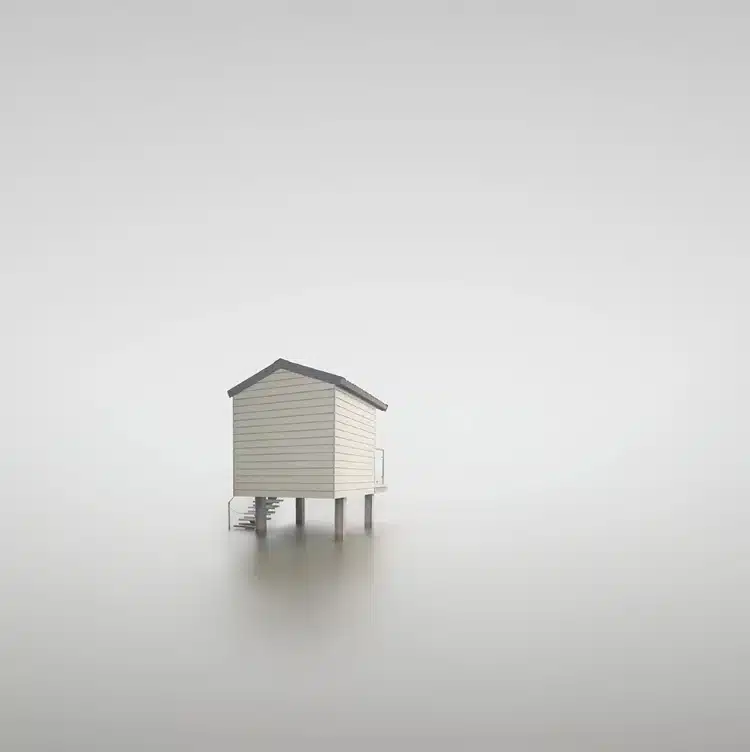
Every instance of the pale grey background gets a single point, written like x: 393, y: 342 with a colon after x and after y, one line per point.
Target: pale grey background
x: 523, y: 225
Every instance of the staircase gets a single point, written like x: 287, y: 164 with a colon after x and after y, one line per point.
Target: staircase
x: 247, y: 521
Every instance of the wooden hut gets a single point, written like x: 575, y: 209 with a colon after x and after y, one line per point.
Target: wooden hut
x: 303, y: 433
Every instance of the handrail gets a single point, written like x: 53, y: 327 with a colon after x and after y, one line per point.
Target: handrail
x: 379, y: 476
x: 272, y: 503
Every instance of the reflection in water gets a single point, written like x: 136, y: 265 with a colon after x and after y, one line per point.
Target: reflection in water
x: 301, y: 578
x: 569, y: 624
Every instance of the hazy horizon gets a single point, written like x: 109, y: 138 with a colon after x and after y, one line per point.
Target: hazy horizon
x: 523, y: 226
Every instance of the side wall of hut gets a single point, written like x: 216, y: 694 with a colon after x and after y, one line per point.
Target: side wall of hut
x: 354, y: 444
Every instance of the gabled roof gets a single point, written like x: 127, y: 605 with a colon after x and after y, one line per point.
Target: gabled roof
x: 313, y: 373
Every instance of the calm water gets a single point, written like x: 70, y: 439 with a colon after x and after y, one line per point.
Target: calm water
x: 136, y: 621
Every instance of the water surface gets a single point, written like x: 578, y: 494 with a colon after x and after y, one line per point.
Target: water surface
x: 542, y: 622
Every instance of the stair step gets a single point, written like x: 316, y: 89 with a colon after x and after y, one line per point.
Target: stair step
x: 247, y: 520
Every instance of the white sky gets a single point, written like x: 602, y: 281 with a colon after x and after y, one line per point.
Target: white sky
x: 524, y: 229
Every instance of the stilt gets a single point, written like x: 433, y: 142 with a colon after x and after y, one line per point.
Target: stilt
x: 339, y: 519
x: 368, y: 511
x: 260, y: 516
x: 300, y: 512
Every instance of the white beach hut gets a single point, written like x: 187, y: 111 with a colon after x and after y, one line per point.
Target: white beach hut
x: 303, y: 433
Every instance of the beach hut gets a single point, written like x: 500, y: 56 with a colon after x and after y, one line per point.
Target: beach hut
x: 303, y: 433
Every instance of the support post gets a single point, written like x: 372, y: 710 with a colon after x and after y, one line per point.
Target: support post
x: 260, y: 516
x: 339, y: 519
x: 368, y: 511
x: 300, y: 520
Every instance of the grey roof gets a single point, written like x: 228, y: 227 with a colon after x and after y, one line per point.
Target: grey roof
x: 330, y: 378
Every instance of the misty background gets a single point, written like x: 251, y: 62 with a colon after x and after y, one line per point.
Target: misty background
x: 522, y: 225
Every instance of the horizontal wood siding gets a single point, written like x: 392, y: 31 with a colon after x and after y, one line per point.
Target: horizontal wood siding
x: 281, y: 389
x: 284, y: 405
x: 292, y: 439
x: 284, y: 437
x: 354, y: 434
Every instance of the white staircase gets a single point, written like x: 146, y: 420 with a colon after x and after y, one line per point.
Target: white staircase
x: 247, y: 520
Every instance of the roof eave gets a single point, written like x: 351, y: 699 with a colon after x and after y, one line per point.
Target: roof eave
x: 363, y: 395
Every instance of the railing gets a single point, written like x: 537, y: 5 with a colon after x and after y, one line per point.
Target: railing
x: 247, y: 518
x: 379, y: 467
